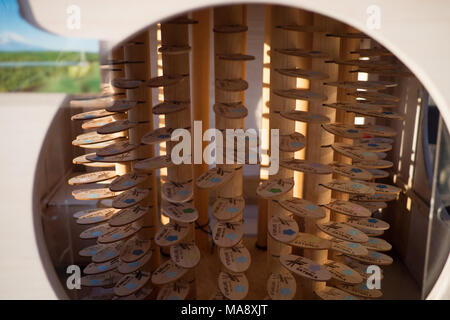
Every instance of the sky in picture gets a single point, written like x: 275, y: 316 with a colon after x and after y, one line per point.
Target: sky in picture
x: 16, y: 34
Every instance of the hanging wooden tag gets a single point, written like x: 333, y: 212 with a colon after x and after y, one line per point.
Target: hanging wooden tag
x: 383, y: 114
x: 101, y: 145
x: 300, y: 73
x: 177, y: 290
x: 231, y: 84
x: 130, y: 198
x: 168, y: 107
x: 355, y: 107
x: 330, y: 293
x: 378, y: 164
x: 91, y: 250
x: 374, y: 96
x: 93, y: 194
x: 157, y: 136
x: 167, y: 272
x: 134, y: 249
x: 100, y: 122
x: 368, y: 223
x: 348, y: 208
x: 108, y: 252
x: 342, y: 231
x: 379, y: 174
x: 303, y: 208
x: 180, y: 212
x: 129, y: 267
x: 346, y: 247
x: 374, y: 257
x: 225, y: 209
x: 300, y: 94
x: 165, y: 80
x: 84, y: 161
x: 235, y: 259
x: 131, y: 283
x: 92, y: 102
x: 106, y: 279
x: 377, y: 244
x: 344, y: 130
x: 120, y: 233
x: 235, y: 57
x: 343, y: 273
x: 376, y: 140
x: 94, y: 137
x: 92, y: 177
x: 383, y: 188
x: 214, y: 177
x: 378, y: 197
x: 371, y: 232
x: 305, y: 53
x: 348, y: 186
x: 292, y: 142
x: 275, y: 187
x: 367, y: 85
x: 95, y: 232
x: 154, y: 163
x: 177, y: 192
x: 232, y: 110
x: 372, y: 206
x: 305, y: 267
x: 374, y: 147
x: 121, y: 105
x: 377, y: 130
x: 234, y: 286
x: 96, y: 216
x: 283, y: 228
x: 351, y: 171
x: 128, y: 215
x: 92, y: 115
x: 117, y: 148
x: 233, y: 28
x: 227, y: 234
x: 116, y: 126
x: 123, y: 157
x: 94, y: 268
x: 127, y: 181
x: 306, y: 166
x: 360, y: 290
x: 304, y: 116
x: 171, y: 233
x: 281, y: 286
x: 185, y: 255
x: 361, y: 268
x: 126, y: 83
x: 354, y: 152
x: 310, y: 241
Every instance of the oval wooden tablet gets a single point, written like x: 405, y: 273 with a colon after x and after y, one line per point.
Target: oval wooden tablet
x: 93, y: 194
x: 383, y: 188
x: 154, y: 163
x: 227, y: 234
x: 95, y: 232
x: 100, y: 122
x: 235, y: 259
x: 378, y: 197
x: 123, y: 157
x: 131, y: 283
x: 117, y: 148
x: 281, y: 286
x: 92, y: 177
x: 275, y: 187
x: 167, y: 272
x: 214, y: 177
x: 235, y: 57
x: 354, y: 152
x: 129, y: 267
x: 331, y: 293
x: 231, y: 84
x: 347, y: 247
x: 177, y: 290
x: 119, y: 233
x: 306, y: 166
x: 94, y: 268
x: 91, y: 250
x: 167, y: 107
x: 92, y: 115
x: 377, y: 164
x: 106, y: 279
x: 371, y: 232
x: 376, y: 140
x: 303, y: 208
x: 377, y: 130
x: 305, y: 116
x: 126, y: 83
x: 360, y: 290
x: 383, y: 114
x: 98, y: 101
x: 121, y: 105
x: 134, y: 249
x: 348, y: 208
x: 361, y: 268
x: 377, y: 244
x: 305, y: 267
x: 177, y: 192
x: 165, y: 80
x: 141, y: 294
x: 372, y: 206
x: 231, y: 28
x: 128, y: 215
x: 180, y: 212
x: 232, y: 110
x: 171, y: 233
x: 185, y: 255
x: 84, y: 161
x: 292, y: 142
x: 116, y: 126
x: 367, y: 85
x: 234, y: 286
x: 94, y: 137
x: 344, y: 130
x: 310, y: 241
x: 351, y: 171
x: 374, y: 147
x: 108, y: 252
x: 299, y: 52
x: 374, y: 257
x: 130, y: 198
x: 283, y: 228
x: 300, y: 94
x: 300, y: 73
x: 101, y: 145
x: 354, y: 106
x: 343, y: 273
x: 96, y: 216
x: 225, y: 209
x: 379, y: 174
x: 127, y: 181
x: 368, y: 223
x: 157, y: 136
x: 374, y: 96
x: 348, y: 186
x: 342, y: 231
